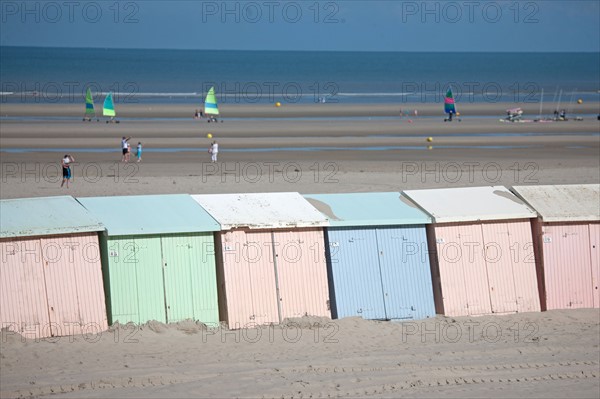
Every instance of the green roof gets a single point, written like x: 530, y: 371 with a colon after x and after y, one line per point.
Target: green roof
x: 150, y: 214
x: 26, y: 217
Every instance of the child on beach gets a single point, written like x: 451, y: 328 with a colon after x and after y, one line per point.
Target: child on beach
x: 66, y: 169
x: 139, y: 151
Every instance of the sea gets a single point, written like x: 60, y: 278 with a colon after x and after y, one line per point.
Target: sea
x: 62, y: 75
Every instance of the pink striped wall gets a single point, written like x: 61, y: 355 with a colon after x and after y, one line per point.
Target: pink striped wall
x: 522, y: 252
x: 501, y: 276
x: 568, y: 262
x: 595, y: 261
x: 486, y: 268
x: 24, y: 304
x: 302, y: 273
x: 463, y: 279
x: 248, y: 278
x: 53, y: 285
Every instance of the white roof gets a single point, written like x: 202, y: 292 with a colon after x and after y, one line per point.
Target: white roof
x: 469, y: 204
x: 563, y: 203
x: 260, y: 211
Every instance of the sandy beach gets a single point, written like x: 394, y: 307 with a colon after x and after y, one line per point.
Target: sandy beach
x: 304, y: 148
x: 309, y: 149
x: 555, y: 353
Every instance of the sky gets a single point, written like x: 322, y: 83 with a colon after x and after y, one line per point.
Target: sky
x: 342, y: 25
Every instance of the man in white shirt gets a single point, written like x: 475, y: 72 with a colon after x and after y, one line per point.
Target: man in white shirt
x: 214, y: 150
x: 125, y: 148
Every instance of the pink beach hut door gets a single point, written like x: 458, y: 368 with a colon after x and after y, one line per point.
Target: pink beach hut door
x: 73, y: 284
x: 301, y: 273
x: 524, y: 266
x: 595, y: 261
x: 23, y: 300
x: 249, y: 278
x: 499, y: 267
x: 463, y: 273
x: 567, y: 268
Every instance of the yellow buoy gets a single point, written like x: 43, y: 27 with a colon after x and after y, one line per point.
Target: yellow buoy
x: 430, y: 139
x: 209, y: 135
x: 429, y: 147
x: 580, y: 101
x: 278, y: 104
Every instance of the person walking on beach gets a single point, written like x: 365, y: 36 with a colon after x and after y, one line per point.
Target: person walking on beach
x: 214, y: 151
x: 66, y: 169
x: 124, y: 144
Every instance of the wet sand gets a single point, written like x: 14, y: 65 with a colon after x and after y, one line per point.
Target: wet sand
x: 301, y: 150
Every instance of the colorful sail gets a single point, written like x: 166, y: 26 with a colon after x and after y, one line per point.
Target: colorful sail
x: 89, y: 103
x: 449, y: 106
x: 109, y: 106
x: 210, y: 104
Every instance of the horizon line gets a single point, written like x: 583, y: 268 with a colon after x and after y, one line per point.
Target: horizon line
x: 317, y: 51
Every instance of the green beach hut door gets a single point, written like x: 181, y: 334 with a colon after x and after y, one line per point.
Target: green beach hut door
x: 136, y: 281
x: 190, y: 278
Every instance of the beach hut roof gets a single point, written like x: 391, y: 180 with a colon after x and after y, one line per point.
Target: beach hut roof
x: 368, y: 209
x: 470, y: 204
x: 563, y: 203
x: 261, y: 210
x: 150, y: 214
x: 42, y: 216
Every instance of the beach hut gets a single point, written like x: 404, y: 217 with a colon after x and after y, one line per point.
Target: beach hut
x: 567, y: 237
x: 51, y: 282
x: 270, y: 257
x: 484, y: 250
x: 158, y: 258
x: 378, y: 257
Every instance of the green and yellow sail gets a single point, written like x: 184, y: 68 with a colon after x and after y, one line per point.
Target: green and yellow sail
x: 210, y: 104
x: 109, y: 106
x: 89, y: 104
